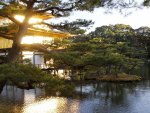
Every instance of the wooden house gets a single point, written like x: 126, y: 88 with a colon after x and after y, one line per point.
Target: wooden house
x: 32, y: 43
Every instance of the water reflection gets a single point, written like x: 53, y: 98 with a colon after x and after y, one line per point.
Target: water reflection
x: 52, y: 105
x: 117, y: 98
x: 90, y: 98
x: 13, y: 94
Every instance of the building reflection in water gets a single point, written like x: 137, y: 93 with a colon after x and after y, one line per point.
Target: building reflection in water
x: 52, y: 105
x: 42, y: 106
x: 34, y: 101
x: 16, y: 95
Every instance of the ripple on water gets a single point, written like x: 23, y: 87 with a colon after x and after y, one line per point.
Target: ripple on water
x: 99, y: 98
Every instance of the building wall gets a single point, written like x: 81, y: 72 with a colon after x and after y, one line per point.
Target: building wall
x: 36, y: 58
x: 5, y: 43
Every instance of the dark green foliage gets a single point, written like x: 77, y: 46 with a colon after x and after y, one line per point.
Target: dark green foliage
x: 73, y: 27
x: 59, y: 87
x: 21, y: 72
x: 57, y: 8
x: 118, y: 32
x: 82, y: 47
x: 126, y: 38
x: 12, y: 8
x: 143, y: 37
x: 146, y: 2
x: 114, y: 50
x: 28, y: 76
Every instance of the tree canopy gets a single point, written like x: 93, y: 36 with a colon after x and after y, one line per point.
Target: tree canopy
x: 45, y: 9
x: 109, y: 50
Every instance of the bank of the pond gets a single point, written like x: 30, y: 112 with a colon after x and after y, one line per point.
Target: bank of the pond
x: 118, y: 78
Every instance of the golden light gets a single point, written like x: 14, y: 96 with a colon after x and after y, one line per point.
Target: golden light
x: 33, y: 20
x: 36, y: 39
x: 38, y: 34
x: 44, y: 106
x: 52, y: 105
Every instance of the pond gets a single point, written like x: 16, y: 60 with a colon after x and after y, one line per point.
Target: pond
x: 91, y: 97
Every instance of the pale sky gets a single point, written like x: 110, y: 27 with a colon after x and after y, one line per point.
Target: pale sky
x: 137, y: 18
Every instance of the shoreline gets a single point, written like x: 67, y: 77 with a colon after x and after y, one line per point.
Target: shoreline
x: 119, y: 78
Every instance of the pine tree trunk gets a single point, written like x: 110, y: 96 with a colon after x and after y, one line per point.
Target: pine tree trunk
x: 14, y: 52
x: 148, y: 50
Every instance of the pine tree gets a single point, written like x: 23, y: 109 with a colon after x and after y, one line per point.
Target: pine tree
x: 43, y: 9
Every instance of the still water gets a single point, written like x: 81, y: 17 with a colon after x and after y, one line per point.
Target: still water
x: 89, y: 98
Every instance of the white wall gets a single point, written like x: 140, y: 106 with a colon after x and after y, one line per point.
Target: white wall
x: 36, y: 58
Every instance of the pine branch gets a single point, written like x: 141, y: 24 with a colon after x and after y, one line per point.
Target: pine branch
x: 10, y: 18
x: 2, y: 3
x: 24, y: 1
x: 74, y: 27
x: 39, y: 1
x: 4, y: 35
x: 55, y: 8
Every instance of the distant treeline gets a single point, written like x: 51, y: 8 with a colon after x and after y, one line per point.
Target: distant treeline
x: 109, y: 50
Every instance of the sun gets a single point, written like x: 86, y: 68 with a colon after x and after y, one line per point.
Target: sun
x: 40, y: 33
x: 32, y: 39
x: 32, y: 20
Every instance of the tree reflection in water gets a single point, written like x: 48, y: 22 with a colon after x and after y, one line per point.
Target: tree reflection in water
x: 96, y: 97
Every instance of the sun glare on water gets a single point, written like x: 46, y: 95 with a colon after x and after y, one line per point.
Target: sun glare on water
x: 52, y: 105
x: 45, y: 106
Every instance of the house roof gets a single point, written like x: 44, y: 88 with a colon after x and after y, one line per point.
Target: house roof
x: 43, y: 16
x: 5, y: 43
x: 48, y: 33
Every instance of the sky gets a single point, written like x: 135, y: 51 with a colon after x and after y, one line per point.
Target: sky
x: 135, y: 17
